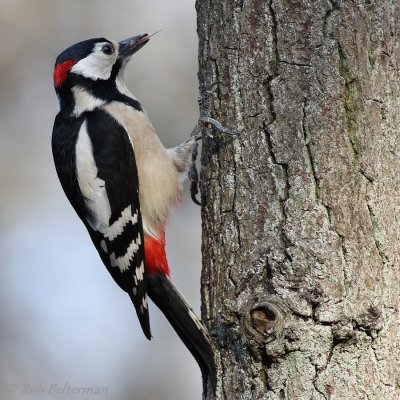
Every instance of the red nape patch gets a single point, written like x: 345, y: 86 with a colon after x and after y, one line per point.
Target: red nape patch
x: 61, y: 71
x: 154, y: 255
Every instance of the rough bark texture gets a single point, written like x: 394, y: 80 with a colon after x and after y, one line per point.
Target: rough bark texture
x: 301, y: 232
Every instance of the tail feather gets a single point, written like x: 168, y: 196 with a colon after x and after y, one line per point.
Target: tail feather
x: 184, y: 320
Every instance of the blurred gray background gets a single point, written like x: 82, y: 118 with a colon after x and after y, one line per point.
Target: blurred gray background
x: 63, y: 320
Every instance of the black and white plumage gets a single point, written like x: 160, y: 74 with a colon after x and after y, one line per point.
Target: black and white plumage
x: 99, y: 181
x: 121, y: 181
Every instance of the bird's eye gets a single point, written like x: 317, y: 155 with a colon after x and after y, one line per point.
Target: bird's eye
x: 107, y: 49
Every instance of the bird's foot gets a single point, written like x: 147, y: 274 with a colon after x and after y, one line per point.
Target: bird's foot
x: 204, y: 120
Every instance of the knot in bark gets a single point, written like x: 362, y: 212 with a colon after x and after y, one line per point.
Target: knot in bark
x: 263, y: 321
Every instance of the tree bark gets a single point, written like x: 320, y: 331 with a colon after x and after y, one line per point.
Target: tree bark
x: 301, y: 233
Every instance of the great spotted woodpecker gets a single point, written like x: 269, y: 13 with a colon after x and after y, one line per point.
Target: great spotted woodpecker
x: 122, y: 182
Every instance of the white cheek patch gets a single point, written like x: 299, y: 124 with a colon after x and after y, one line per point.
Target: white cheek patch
x: 96, y: 65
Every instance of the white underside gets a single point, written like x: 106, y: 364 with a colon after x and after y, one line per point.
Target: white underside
x: 160, y: 170
x: 159, y: 180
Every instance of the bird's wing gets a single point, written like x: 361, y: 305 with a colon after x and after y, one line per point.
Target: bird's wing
x: 107, y: 178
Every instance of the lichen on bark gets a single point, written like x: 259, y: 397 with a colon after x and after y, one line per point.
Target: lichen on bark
x: 300, y: 212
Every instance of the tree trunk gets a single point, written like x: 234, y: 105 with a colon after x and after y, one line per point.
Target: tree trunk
x: 301, y: 233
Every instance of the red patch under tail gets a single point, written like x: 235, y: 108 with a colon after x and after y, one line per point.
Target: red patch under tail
x: 154, y: 255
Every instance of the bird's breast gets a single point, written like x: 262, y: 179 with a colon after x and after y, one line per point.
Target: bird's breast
x: 159, y: 184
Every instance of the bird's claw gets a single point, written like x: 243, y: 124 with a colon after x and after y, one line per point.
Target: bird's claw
x: 205, y: 107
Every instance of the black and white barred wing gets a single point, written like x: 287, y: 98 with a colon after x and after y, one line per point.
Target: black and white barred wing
x: 108, y: 180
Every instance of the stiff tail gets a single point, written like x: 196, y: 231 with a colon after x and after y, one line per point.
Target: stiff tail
x: 184, y: 320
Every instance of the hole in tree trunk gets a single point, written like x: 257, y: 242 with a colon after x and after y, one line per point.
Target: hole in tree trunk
x: 263, y: 319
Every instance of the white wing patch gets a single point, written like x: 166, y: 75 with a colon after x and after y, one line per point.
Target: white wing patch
x: 139, y: 272
x: 144, y: 302
x: 124, y: 261
x: 103, y: 245
x: 97, y: 202
x: 92, y: 188
x: 118, y: 226
x: 113, y: 260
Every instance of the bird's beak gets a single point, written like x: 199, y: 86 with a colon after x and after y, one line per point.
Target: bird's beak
x: 131, y: 45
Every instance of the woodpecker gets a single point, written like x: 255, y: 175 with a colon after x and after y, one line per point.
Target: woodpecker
x: 122, y: 182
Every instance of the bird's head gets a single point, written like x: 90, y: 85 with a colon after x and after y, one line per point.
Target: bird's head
x: 95, y: 60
